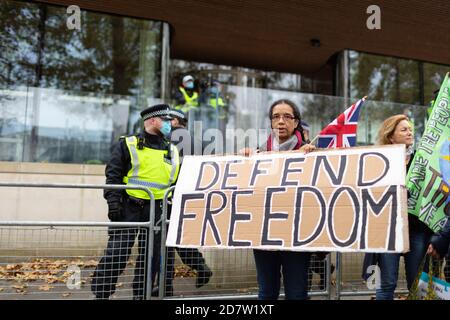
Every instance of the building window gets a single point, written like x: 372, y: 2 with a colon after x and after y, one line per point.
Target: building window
x: 434, y: 75
x: 395, y: 86
x: 384, y: 78
x: 66, y: 95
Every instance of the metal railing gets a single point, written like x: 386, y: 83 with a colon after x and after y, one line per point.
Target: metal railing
x: 233, y: 271
x: 44, y: 270
x: 349, y: 280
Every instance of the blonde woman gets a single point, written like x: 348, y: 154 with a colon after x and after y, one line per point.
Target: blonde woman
x: 397, y: 130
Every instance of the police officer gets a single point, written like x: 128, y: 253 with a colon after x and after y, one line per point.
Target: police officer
x: 192, y: 257
x: 215, y: 107
x: 214, y: 97
x: 186, y: 143
x: 146, y: 159
x: 186, y: 97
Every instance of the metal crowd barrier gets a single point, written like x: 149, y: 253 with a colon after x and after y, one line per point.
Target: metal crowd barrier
x: 26, y: 270
x: 67, y: 272
x: 233, y: 272
x: 235, y: 276
x: 349, y: 280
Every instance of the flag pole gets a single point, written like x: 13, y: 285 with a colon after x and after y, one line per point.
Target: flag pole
x: 314, y: 140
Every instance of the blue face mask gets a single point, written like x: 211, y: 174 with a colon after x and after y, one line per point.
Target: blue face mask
x: 166, y: 128
x: 189, y: 85
x: 214, y: 90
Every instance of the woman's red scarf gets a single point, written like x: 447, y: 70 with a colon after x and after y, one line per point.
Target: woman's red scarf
x: 297, y: 146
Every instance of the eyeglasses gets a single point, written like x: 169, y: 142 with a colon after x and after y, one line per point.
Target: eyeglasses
x: 277, y: 117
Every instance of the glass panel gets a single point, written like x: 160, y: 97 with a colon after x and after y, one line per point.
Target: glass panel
x: 244, y: 122
x: 203, y: 73
x: 66, y: 94
x: 19, y: 25
x: 80, y: 128
x: 433, y: 75
x: 69, y: 127
x: 384, y: 78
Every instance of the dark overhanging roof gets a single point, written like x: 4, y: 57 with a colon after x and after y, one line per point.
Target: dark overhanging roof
x: 276, y: 35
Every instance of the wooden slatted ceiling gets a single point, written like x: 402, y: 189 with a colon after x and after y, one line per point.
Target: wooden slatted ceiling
x: 275, y: 35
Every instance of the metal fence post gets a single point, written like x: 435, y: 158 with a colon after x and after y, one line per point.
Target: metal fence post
x: 338, y: 275
x: 151, y: 239
x: 328, y: 273
x: 164, y: 223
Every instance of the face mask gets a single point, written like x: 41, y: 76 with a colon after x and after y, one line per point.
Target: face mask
x: 214, y: 90
x: 189, y: 85
x: 166, y: 128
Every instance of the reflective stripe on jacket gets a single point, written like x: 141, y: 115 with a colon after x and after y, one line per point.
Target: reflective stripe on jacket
x: 151, y: 168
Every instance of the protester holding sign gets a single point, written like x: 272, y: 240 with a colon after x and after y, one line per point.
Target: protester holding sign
x: 287, y: 135
x: 397, y: 130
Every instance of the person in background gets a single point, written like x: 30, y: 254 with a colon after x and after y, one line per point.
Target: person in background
x: 213, y: 96
x: 214, y: 106
x: 439, y: 246
x: 186, y: 97
x: 306, y: 131
x: 191, y: 257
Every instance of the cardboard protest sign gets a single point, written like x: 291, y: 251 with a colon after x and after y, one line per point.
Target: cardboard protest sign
x: 332, y: 200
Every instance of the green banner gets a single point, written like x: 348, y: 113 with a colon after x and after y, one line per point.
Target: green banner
x: 428, y: 179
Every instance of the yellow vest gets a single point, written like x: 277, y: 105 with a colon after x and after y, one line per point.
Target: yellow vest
x: 213, y: 102
x: 191, y: 102
x: 149, y: 168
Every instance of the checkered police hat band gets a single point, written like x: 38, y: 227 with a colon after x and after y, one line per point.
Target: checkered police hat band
x: 175, y: 113
x: 159, y: 113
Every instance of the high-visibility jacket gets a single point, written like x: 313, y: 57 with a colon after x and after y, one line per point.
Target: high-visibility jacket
x: 151, y: 168
x: 213, y: 102
x: 190, y: 101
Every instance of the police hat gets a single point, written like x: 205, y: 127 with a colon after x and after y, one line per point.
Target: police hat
x: 188, y: 78
x: 158, y: 110
x: 178, y: 114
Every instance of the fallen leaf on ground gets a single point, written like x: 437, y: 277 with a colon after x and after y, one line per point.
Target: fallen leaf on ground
x: 184, y: 271
x: 51, y: 279
x: 45, y: 288
x: 19, y: 287
x: 90, y: 263
x: 13, y: 266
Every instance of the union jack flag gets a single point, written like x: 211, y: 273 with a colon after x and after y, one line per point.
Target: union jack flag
x: 342, y: 131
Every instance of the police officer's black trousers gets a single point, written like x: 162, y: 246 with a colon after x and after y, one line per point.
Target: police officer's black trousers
x: 191, y: 257
x: 118, y: 250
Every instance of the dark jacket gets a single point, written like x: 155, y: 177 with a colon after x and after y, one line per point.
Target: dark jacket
x: 120, y: 162
x: 441, y: 240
